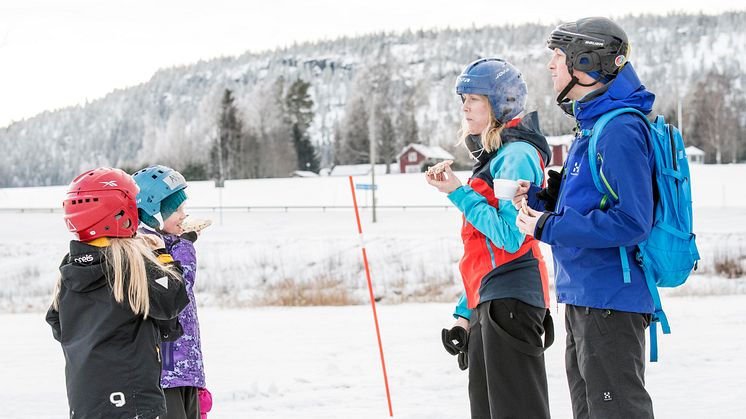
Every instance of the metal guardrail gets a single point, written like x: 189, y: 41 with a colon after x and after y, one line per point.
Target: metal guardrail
x: 277, y: 208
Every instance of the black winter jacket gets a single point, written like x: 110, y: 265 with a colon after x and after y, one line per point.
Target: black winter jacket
x: 112, y: 359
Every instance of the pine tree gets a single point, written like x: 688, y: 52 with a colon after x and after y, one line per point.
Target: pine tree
x: 387, y: 147
x: 356, y: 145
x: 298, y: 106
x: 226, y: 151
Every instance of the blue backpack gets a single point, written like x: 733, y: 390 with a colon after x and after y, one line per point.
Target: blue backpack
x: 670, y: 253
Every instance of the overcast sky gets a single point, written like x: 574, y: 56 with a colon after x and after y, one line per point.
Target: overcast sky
x: 57, y: 53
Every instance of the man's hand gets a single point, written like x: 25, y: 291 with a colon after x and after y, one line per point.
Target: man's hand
x: 550, y: 194
x: 527, y: 222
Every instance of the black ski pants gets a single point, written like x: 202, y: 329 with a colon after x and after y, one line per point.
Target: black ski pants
x: 181, y: 403
x: 605, y: 363
x: 507, y: 376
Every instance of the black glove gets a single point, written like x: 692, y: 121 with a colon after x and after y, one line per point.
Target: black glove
x: 455, y: 341
x: 551, y: 192
x: 190, y: 235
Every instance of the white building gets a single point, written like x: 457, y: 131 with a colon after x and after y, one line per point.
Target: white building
x: 695, y: 155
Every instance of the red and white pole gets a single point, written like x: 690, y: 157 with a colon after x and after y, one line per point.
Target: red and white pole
x: 372, y: 298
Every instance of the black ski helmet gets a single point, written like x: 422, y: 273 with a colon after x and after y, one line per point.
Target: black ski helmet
x: 592, y: 45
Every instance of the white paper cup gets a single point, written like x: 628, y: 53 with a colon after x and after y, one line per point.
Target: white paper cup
x: 505, y: 189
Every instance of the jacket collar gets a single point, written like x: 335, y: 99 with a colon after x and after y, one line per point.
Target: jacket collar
x: 625, y: 91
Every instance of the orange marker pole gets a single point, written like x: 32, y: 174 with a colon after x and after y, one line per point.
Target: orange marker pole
x: 372, y: 298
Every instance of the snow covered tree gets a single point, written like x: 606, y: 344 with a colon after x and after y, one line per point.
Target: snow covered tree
x: 226, y: 153
x: 356, y: 139
x: 298, y: 105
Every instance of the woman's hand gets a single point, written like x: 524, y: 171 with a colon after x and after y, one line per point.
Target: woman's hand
x: 521, y: 193
x: 445, y: 182
x: 462, y: 322
x: 527, y: 222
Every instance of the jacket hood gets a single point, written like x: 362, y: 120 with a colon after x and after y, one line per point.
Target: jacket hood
x: 84, y: 269
x: 527, y: 131
x: 625, y: 91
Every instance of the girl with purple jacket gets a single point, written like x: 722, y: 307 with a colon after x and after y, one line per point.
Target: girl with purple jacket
x: 161, y: 207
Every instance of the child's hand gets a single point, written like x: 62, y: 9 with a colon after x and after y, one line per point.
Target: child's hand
x: 191, y: 236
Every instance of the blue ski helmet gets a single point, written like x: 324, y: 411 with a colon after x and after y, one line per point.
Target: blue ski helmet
x: 156, y: 184
x: 498, y: 80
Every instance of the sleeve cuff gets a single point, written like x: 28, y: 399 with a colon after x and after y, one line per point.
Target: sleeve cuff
x: 462, y: 313
x: 459, y: 194
x: 540, y: 225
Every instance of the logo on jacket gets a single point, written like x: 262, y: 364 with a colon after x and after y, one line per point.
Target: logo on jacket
x: 117, y: 399
x: 575, y: 169
x: 607, y: 396
x: 163, y: 281
x: 84, y: 259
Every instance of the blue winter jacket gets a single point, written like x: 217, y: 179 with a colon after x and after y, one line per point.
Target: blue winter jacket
x: 586, y: 233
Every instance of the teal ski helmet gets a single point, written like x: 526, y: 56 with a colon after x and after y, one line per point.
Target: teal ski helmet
x: 156, y: 184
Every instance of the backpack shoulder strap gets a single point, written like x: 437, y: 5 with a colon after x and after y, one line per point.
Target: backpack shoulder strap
x: 600, y: 181
x: 592, y: 147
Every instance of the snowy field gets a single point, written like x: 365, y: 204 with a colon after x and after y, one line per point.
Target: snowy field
x: 254, y: 255
x: 322, y: 362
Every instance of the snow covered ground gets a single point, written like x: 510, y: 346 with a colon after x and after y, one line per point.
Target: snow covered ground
x: 414, y: 253
x: 322, y: 362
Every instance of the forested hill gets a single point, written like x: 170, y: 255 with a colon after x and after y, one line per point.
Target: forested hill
x: 392, y: 88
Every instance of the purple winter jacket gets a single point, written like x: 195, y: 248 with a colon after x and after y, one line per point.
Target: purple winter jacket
x: 182, y: 358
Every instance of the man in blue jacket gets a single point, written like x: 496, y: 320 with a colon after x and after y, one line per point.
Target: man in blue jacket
x: 608, y: 305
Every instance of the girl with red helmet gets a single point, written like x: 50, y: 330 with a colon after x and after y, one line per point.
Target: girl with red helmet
x: 108, y: 303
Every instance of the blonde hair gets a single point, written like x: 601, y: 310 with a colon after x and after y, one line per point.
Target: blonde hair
x: 126, y: 258
x: 491, y: 139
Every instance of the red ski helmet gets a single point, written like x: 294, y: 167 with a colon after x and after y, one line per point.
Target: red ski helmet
x: 101, y: 203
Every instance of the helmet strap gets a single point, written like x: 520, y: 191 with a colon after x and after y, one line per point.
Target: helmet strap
x: 562, y: 97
